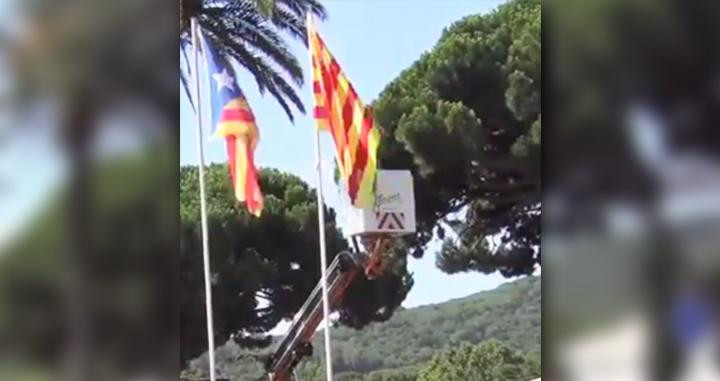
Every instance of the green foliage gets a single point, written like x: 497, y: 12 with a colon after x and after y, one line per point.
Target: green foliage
x: 465, y: 118
x: 350, y: 376
x: 396, y: 350
x: 510, y: 314
x: 311, y: 370
x: 127, y: 270
x: 274, y: 258
x: 381, y: 375
x: 489, y: 361
x: 403, y: 374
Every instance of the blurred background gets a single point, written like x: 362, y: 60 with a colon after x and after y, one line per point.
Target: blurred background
x: 631, y: 190
x: 88, y: 189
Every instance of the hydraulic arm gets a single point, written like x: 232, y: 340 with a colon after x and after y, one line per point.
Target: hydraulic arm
x: 297, y: 343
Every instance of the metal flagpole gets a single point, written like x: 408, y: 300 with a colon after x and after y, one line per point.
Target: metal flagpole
x: 203, y: 206
x: 321, y: 226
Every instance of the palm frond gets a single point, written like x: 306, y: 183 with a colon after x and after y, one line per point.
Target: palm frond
x: 184, y: 78
x: 280, y: 99
x: 228, y: 46
x: 290, y: 24
x: 260, y: 37
x: 266, y: 77
x: 300, y: 7
x: 273, y: 82
x: 245, y: 32
x: 288, y: 91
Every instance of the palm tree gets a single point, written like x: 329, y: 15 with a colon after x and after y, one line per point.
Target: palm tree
x: 248, y: 33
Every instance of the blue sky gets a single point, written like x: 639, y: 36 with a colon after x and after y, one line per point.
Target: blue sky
x: 373, y: 41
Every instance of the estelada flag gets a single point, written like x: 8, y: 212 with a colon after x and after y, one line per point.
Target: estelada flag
x: 233, y: 120
x: 339, y: 111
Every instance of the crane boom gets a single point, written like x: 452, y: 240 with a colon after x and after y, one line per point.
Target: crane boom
x: 297, y: 343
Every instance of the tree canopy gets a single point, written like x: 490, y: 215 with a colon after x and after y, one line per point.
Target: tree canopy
x: 465, y: 118
x: 272, y: 259
x: 489, y: 361
x: 263, y: 268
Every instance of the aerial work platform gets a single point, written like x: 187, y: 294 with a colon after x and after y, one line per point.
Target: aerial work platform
x: 393, y: 214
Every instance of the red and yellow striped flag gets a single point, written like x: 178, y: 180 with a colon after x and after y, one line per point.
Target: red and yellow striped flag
x: 339, y: 111
x: 237, y: 125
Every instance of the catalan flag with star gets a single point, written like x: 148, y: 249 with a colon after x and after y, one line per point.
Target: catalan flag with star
x: 339, y: 111
x: 233, y: 120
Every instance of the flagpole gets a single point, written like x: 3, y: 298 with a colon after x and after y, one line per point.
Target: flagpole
x: 321, y: 228
x: 203, y: 206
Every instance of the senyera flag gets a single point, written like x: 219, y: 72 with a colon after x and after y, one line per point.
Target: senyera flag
x: 339, y: 111
x: 233, y: 120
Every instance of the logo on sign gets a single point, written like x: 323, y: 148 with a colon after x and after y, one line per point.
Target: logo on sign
x: 384, y: 201
x: 390, y: 220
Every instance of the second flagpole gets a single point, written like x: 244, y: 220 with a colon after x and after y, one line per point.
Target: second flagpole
x: 321, y: 228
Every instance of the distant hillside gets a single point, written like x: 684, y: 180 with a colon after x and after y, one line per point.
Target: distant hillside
x: 509, y: 313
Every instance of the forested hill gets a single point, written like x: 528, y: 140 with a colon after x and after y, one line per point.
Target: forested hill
x: 509, y: 313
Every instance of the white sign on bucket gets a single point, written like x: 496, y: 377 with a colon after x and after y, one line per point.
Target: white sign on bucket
x: 394, y: 209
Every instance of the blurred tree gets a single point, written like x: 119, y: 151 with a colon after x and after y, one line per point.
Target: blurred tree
x: 248, y: 33
x: 82, y: 58
x: 612, y: 60
x: 465, y: 118
x: 131, y: 276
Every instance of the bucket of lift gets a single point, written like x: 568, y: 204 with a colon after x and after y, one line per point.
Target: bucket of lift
x: 392, y: 214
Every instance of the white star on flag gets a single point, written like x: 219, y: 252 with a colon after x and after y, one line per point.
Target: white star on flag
x: 224, y: 80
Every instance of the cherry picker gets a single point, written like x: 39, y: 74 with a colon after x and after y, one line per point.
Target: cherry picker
x: 297, y: 343
x: 393, y: 214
